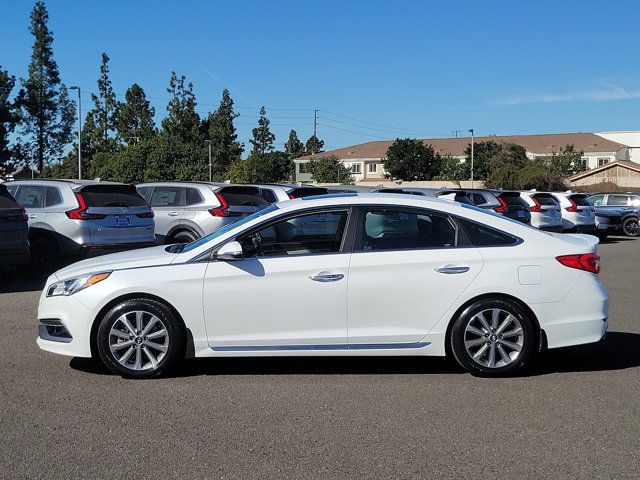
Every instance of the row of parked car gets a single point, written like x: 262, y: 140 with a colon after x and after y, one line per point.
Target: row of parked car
x: 50, y: 221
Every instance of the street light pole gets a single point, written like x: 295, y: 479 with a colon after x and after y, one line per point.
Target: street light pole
x: 471, y: 131
x: 209, y: 142
x: 76, y: 87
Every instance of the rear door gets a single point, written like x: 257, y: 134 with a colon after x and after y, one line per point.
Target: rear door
x: 31, y: 198
x: 117, y: 214
x: 407, y: 268
x: 168, y: 204
x: 13, y: 223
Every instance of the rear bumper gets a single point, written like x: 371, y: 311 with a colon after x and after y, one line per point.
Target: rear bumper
x: 588, y: 229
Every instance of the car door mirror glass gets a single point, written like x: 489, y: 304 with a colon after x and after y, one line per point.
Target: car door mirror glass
x: 229, y: 252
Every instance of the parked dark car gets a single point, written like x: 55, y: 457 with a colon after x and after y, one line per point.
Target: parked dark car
x: 478, y: 197
x: 512, y: 205
x: 628, y: 204
x: 608, y: 222
x: 14, y: 231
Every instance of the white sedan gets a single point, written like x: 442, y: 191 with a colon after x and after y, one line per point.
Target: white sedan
x: 343, y: 274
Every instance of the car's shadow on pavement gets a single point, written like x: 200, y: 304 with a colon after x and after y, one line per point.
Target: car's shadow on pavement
x: 18, y: 280
x: 617, y: 351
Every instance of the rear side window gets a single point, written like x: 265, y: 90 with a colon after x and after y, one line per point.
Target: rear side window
x: 403, y: 230
x: 144, y: 192
x: 581, y: 200
x: 105, y: 196
x: 167, y: 197
x: 53, y: 197
x: 6, y: 200
x: 31, y: 196
x: 478, y: 199
x: 307, y: 192
x: 268, y: 195
x: 243, y: 197
x: 193, y: 196
x: 597, y: 200
x: 547, y: 200
x: 483, y: 236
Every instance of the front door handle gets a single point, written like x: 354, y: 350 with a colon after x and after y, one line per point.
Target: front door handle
x: 327, y: 277
x: 174, y: 214
x: 450, y: 269
x: 33, y: 215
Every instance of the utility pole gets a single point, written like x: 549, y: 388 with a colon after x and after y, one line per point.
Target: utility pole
x: 471, y: 131
x: 455, y: 133
x: 315, y: 129
x: 209, y: 142
x: 77, y: 87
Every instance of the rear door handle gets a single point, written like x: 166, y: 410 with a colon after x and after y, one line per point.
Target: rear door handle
x: 327, y: 277
x: 33, y: 215
x: 449, y: 269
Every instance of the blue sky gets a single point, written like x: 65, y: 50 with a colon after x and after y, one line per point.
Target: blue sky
x: 408, y: 68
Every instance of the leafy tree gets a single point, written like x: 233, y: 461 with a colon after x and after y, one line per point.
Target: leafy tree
x: 134, y: 121
x: 452, y: 169
x: 238, y: 172
x: 483, y: 153
x: 100, y: 127
x: 294, y: 147
x: 182, y: 121
x: 47, y: 113
x: 8, y: 121
x: 271, y: 167
x: 330, y: 169
x: 410, y: 159
x: 225, y: 147
x: 263, y: 139
x: 314, y: 145
x: 567, y: 161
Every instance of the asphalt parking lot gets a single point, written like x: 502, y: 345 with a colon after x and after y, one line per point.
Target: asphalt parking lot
x: 576, y: 414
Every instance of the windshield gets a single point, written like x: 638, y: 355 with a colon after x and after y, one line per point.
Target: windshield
x: 227, y: 228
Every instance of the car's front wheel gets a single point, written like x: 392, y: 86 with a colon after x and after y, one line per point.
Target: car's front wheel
x: 140, y: 338
x: 493, y: 337
x: 630, y: 227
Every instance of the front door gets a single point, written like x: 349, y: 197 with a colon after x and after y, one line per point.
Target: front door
x: 288, y: 293
x: 406, y: 271
x: 168, y: 204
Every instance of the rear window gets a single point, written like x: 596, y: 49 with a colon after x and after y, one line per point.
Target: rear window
x: 112, y: 196
x: 483, y: 236
x: 307, y: 192
x: 513, y: 199
x: 6, y: 200
x: 243, y: 197
x: 581, y: 200
x: 545, y: 199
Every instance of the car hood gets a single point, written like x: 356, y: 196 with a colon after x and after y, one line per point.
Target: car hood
x: 143, y: 257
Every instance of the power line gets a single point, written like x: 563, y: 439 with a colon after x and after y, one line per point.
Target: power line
x: 378, y: 124
x: 348, y: 131
x: 394, y: 131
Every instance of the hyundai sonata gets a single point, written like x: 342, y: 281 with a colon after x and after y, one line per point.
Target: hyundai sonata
x: 343, y: 274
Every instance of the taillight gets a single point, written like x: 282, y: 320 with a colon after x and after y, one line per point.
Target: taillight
x: 589, y: 262
x: 292, y: 196
x: 536, y: 207
x: 503, y: 206
x: 223, y: 209
x: 81, y: 213
x: 573, y: 208
x: 145, y: 215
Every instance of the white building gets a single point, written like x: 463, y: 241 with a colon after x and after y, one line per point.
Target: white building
x: 365, y: 160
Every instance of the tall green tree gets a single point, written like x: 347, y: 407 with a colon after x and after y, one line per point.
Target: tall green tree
x: 483, y: 154
x: 410, y: 159
x: 314, y: 145
x: 100, y: 126
x: 225, y: 147
x: 263, y: 139
x: 294, y: 147
x: 567, y: 161
x: 8, y: 121
x: 134, y: 121
x: 47, y: 114
x: 182, y: 121
x: 330, y: 169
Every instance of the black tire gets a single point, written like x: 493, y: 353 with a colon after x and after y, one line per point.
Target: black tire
x: 500, y: 369
x: 184, y: 236
x: 630, y: 227
x: 602, y: 235
x: 175, y: 344
x: 44, y: 258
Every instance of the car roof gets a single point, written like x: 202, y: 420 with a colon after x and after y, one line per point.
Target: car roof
x: 64, y: 181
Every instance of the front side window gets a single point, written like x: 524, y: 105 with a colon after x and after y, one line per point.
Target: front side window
x: 310, y: 234
x: 391, y: 229
x: 597, y: 200
x: 31, y: 196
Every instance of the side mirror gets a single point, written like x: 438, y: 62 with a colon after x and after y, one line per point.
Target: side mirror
x: 229, y: 252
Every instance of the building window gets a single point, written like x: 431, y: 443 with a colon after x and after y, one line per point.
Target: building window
x: 603, y: 161
x: 372, y: 168
x: 303, y: 167
x: 356, y: 168
x: 584, y: 163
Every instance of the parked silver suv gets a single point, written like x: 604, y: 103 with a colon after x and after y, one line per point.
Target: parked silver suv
x: 186, y: 211
x: 81, y: 217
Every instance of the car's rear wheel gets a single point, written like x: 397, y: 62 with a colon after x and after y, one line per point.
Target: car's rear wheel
x: 630, y: 227
x: 185, y: 236
x: 44, y: 259
x: 493, y: 337
x: 140, y: 338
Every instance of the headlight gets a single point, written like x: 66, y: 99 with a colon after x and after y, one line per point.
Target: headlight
x: 73, y: 285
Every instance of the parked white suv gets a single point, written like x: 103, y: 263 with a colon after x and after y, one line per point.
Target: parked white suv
x: 578, y: 214
x: 545, y: 211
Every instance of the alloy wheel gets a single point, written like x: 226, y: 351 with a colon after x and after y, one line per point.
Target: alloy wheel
x: 138, y: 340
x: 494, y: 338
